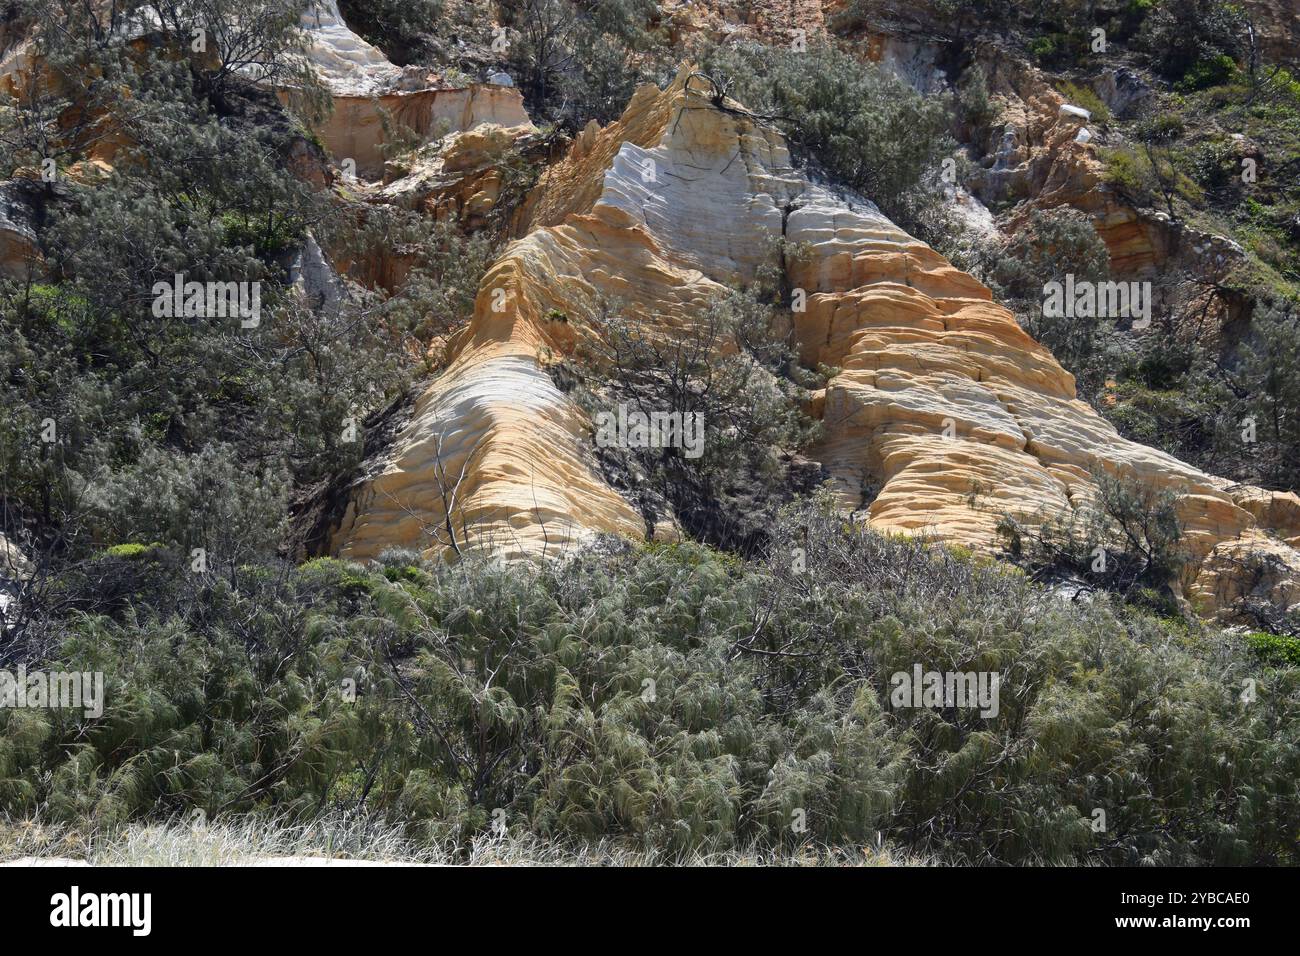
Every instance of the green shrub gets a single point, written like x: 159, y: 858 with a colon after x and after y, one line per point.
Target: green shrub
x: 128, y: 552
x: 1128, y: 540
x: 1049, y: 246
x: 1213, y: 71
x: 1269, y: 390
x: 1166, y: 127
x: 1043, y: 49
x: 1152, y: 174
x: 1277, y: 649
x: 673, y: 698
x: 857, y: 124
x: 977, y: 107
x: 732, y: 374
x: 580, y: 61
x: 1085, y: 97
x: 1180, y: 34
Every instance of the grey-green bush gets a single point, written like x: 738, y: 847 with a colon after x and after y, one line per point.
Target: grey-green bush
x: 677, y: 698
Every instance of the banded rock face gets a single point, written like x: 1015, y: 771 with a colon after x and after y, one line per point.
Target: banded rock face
x: 362, y: 83
x: 345, y: 62
x: 943, y: 416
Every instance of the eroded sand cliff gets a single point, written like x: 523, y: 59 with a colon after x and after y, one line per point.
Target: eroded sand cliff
x: 939, y: 392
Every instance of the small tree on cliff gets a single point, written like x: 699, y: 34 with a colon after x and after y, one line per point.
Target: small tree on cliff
x: 1180, y: 34
x: 727, y: 368
x: 1268, y: 376
x: 579, y: 60
x: 1127, y: 539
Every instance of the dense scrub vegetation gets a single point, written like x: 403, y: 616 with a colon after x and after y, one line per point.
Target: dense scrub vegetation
x: 670, y: 697
x: 194, y: 431
x: 729, y: 496
x: 1221, y: 158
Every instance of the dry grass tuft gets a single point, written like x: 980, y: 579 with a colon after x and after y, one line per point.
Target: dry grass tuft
x: 352, y: 841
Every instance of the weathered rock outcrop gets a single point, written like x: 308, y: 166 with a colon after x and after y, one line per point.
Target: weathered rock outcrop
x: 944, y: 414
x: 941, y: 416
x: 1277, y: 25
x: 355, y: 130
x: 1034, y: 154
x: 777, y: 22
x: 367, y: 90
x: 459, y: 176
x: 344, y: 61
x: 1042, y: 153
x: 20, y: 251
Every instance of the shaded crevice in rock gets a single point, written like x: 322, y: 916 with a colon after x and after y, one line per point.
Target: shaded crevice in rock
x: 317, y: 511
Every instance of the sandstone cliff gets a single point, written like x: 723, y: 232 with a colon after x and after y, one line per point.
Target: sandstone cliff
x: 940, y: 397
x: 941, y: 415
x: 367, y: 90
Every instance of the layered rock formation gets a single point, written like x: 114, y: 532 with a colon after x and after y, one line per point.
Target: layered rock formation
x: 944, y: 414
x: 1035, y: 153
x: 344, y: 61
x: 1030, y: 155
x: 367, y: 90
